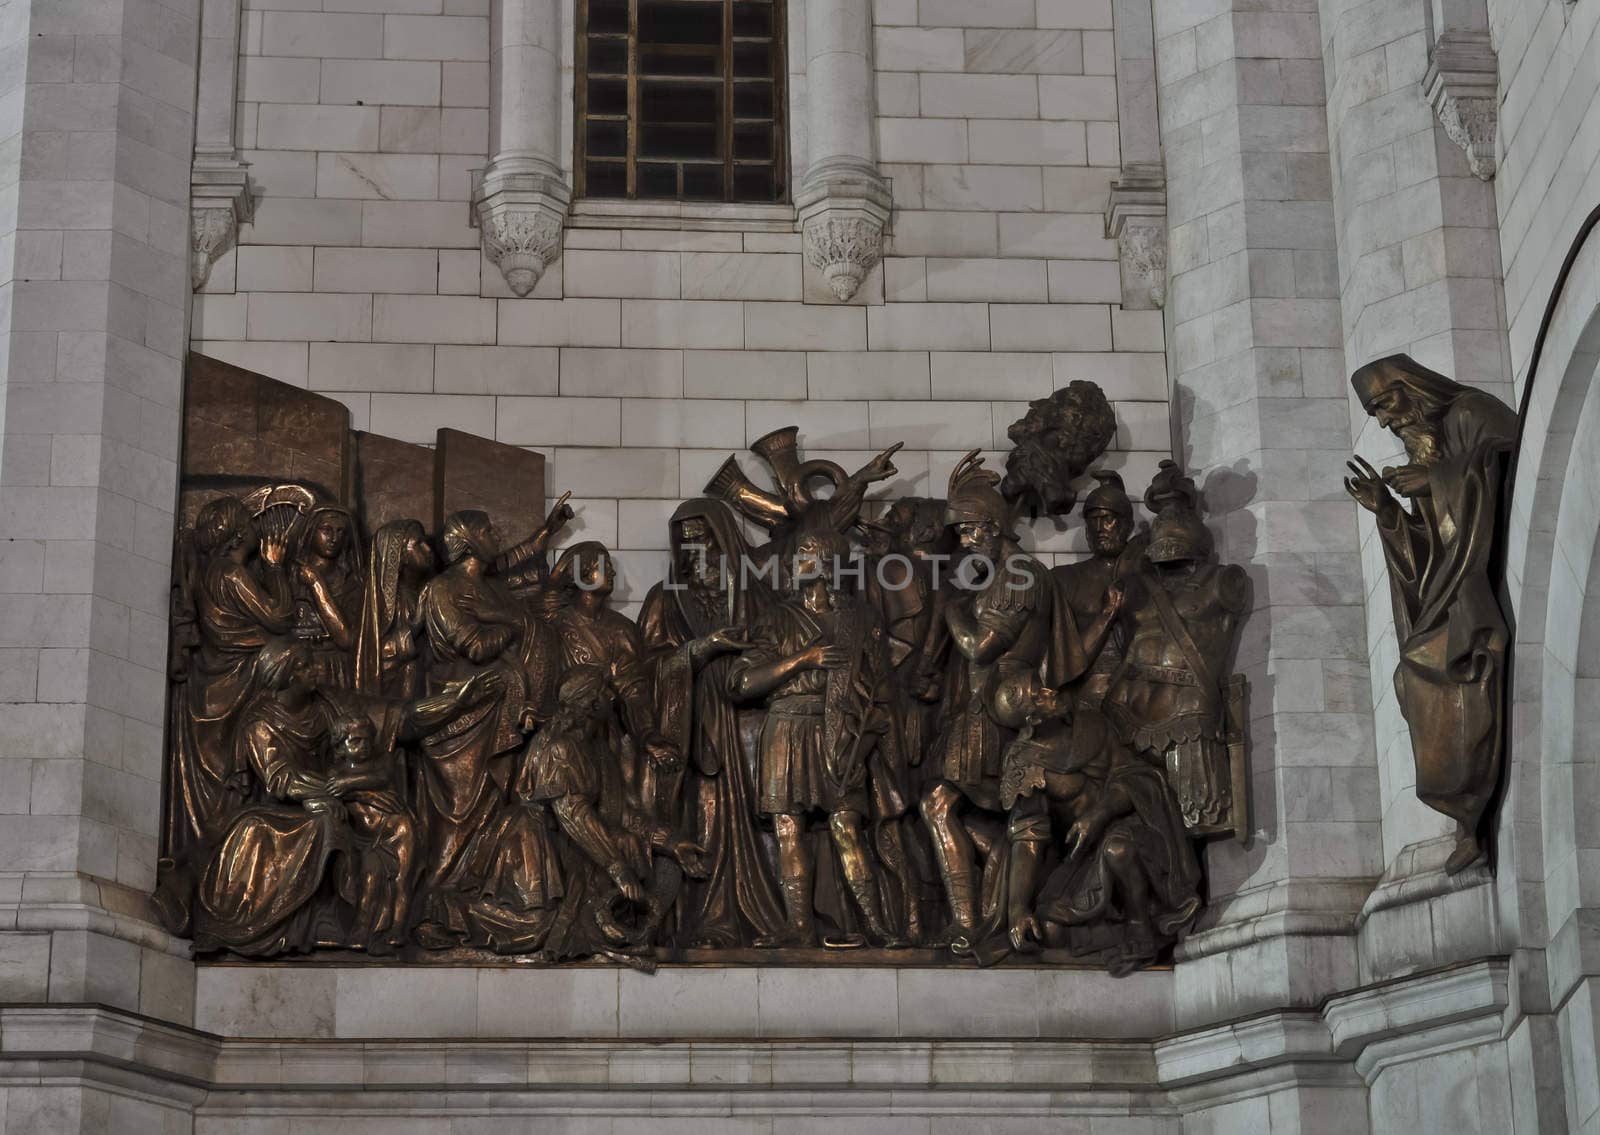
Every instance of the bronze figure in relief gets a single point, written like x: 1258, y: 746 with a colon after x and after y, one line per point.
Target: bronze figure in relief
x: 890, y: 729
x: 1453, y: 634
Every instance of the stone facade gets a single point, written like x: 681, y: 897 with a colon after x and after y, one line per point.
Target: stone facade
x: 983, y: 190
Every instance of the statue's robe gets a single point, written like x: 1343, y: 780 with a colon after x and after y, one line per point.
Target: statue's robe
x: 737, y: 901
x: 1452, y: 633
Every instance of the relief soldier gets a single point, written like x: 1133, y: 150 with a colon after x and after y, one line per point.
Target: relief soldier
x: 820, y: 666
x: 1000, y: 627
x: 1171, y: 697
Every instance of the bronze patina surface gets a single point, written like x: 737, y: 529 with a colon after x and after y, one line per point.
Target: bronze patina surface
x: 888, y: 734
x: 1453, y: 636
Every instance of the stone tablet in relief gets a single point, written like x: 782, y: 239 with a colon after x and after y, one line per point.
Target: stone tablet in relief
x: 889, y: 732
x: 1453, y: 635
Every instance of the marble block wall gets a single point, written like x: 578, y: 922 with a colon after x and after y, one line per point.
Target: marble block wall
x: 664, y: 338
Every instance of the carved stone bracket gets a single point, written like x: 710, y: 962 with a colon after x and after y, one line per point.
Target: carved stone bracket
x: 1462, y: 86
x: 1136, y: 218
x: 520, y: 209
x: 219, y: 202
x: 843, y: 209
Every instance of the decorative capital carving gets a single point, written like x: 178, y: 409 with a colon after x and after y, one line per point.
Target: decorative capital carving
x: 844, y: 249
x: 520, y: 209
x: 1462, y: 85
x: 1136, y: 218
x: 844, y: 208
x: 219, y: 202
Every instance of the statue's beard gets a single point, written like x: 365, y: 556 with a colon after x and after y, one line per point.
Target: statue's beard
x: 1422, y: 444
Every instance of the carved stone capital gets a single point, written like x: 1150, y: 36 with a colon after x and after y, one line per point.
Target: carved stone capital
x: 520, y: 209
x: 219, y: 202
x: 1462, y: 86
x: 843, y: 208
x: 1136, y: 218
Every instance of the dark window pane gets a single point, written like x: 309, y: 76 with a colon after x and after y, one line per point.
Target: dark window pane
x: 752, y: 60
x: 608, y: 56
x: 752, y: 99
x: 608, y: 16
x: 697, y: 61
x: 608, y: 96
x: 659, y: 141
x: 752, y: 141
x: 606, y: 179
x: 702, y: 183
x: 607, y: 138
x: 657, y: 180
x: 660, y: 119
x: 752, y: 18
x: 680, y: 103
x: 672, y: 21
x: 753, y: 183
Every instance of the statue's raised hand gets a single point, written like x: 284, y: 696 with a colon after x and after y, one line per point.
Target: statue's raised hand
x: 1366, y: 485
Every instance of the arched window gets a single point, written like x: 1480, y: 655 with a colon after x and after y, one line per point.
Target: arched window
x: 681, y: 100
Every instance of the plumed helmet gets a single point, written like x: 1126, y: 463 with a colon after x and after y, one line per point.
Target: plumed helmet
x: 974, y: 495
x: 1177, y: 533
x: 1109, y: 495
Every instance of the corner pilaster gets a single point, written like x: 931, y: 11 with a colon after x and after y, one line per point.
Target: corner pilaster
x: 1136, y: 218
x: 1462, y: 85
x: 220, y: 201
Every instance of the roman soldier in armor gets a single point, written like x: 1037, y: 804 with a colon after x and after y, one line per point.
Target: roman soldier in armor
x: 821, y: 665
x: 999, y: 624
x: 1171, y: 697
x: 1088, y: 626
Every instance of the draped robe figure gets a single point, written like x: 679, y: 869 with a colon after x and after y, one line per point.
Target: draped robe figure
x: 474, y: 625
x: 1452, y: 633
x: 232, y: 611
x: 327, y: 578
x: 390, y: 646
x: 737, y: 901
x: 256, y: 894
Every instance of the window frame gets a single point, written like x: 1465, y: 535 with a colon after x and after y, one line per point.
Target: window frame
x: 630, y: 160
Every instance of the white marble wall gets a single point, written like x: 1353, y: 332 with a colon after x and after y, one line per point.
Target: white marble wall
x: 646, y: 354
x: 1260, y: 381
x: 97, y: 122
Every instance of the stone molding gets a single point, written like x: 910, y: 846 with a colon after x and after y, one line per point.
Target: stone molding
x: 843, y: 210
x: 1345, y: 1044
x: 220, y: 200
x: 1462, y: 84
x: 520, y: 208
x: 1409, y: 1018
x: 1136, y: 218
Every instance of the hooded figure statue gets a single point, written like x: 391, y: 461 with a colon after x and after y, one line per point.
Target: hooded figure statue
x: 1452, y: 633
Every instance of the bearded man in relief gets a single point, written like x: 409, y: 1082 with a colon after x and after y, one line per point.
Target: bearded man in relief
x: 1452, y: 632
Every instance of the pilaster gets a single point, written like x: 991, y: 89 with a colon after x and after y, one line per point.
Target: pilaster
x: 843, y: 202
x: 219, y: 183
x: 95, y: 329
x: 520, y: 203
x: 1259, y: 392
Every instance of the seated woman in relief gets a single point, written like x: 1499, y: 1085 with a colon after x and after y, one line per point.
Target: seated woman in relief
x: 323, y: 765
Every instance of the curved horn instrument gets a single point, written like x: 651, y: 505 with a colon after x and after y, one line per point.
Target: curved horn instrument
x: 780, y: 449
x: 731, y: 485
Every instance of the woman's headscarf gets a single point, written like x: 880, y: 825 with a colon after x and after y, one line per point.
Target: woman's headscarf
x: 379, y: 599
x: 731, y: 542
